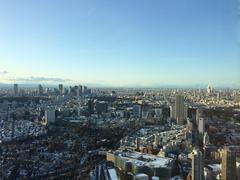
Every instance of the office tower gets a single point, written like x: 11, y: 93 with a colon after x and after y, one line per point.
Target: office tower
x: 191, y: 113
x: 199, y: 114
x: 85, y: 89
x: 113, y: 94
x: 101, y: 107
x: 56, y: 91
x: 90, y: 105
x: 89, y: 91
x: 190, y: 124
x: 40, y: 90
x: 80, y: 90
x: 137, y: 111
x: 229, y: 171
x: 76, y: 91
x: 206, y: 140
x: 50, y: 116
x: 66, y: 91
x: 179, y: 109
x: 197, y: 165
x: 218, y: 96
x: 61, y: 89
x: 209, y: 89
x: 15, y: 89
x: 72, y: 91
x: 172, y: 111
x: 201, y: 126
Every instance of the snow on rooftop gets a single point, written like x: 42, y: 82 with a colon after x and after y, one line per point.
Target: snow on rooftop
x: 145, y: 159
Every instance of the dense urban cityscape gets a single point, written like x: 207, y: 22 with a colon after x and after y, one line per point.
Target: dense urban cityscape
x: 119, y: 90
x: 81, y: 133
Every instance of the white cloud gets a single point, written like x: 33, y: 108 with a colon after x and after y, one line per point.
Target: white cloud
x: 2, y: 73
x: 34, y: 79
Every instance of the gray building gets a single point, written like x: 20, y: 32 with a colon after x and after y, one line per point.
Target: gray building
x: 197, y: 165
x: 137, y: 111
x: 15, y: 89
x: 229, y: 171
x: 179, y: 113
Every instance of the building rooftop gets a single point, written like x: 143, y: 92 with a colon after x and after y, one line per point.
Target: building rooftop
x: 144, y: 159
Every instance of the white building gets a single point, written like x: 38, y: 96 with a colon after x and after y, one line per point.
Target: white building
x: 209, y: 89
x: 50, y: 116
x: 206, y: 140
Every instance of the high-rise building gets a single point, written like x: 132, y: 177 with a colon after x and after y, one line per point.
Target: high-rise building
x: 101, y: 107
x: 50, y: 116
x: 61, y: 89
x: 90, y: 105
x: 66, y: 91
x: 209, y: 89
x: 15, y: 89
x: 76, y: 91
x: 197, y: 165
x: 199, y: 114
x: 218, y: 96
x: 137, y: 111
x: 206, y: 140
x: 40, y: 90
x: 229, y: 171
x: 172, y: 111
x: 201, y: 126
x: 72, y: 91
x: 179, y: 109
x: 80, y: 90
x: 85, y: 90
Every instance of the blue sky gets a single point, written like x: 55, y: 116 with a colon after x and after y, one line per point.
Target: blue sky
x: 120, y: 43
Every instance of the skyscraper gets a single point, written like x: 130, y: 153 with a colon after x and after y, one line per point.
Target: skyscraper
x: 76, y: 91
x: 40, y: 90
x: 197, y: 165
x: 85, y: 90
x: 206, y: 139
x: 229, y: 171
x: 209, y: 89
x: 80, y: 90
x: 201, y: 126
x: 50, y: 116
x: 60, y: 88
x: 90, y: 105
x: 15, y: 89
x: 199, y: 114
x: 179, y: 109
x: 101, y: 107
x: 137, y: 111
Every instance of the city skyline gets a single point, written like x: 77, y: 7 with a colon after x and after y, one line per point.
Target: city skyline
x: 120, y: 44
x: 120, y: 90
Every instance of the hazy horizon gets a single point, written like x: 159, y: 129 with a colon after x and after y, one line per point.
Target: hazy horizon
x: 120, y: 44
x: 131, y: 86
